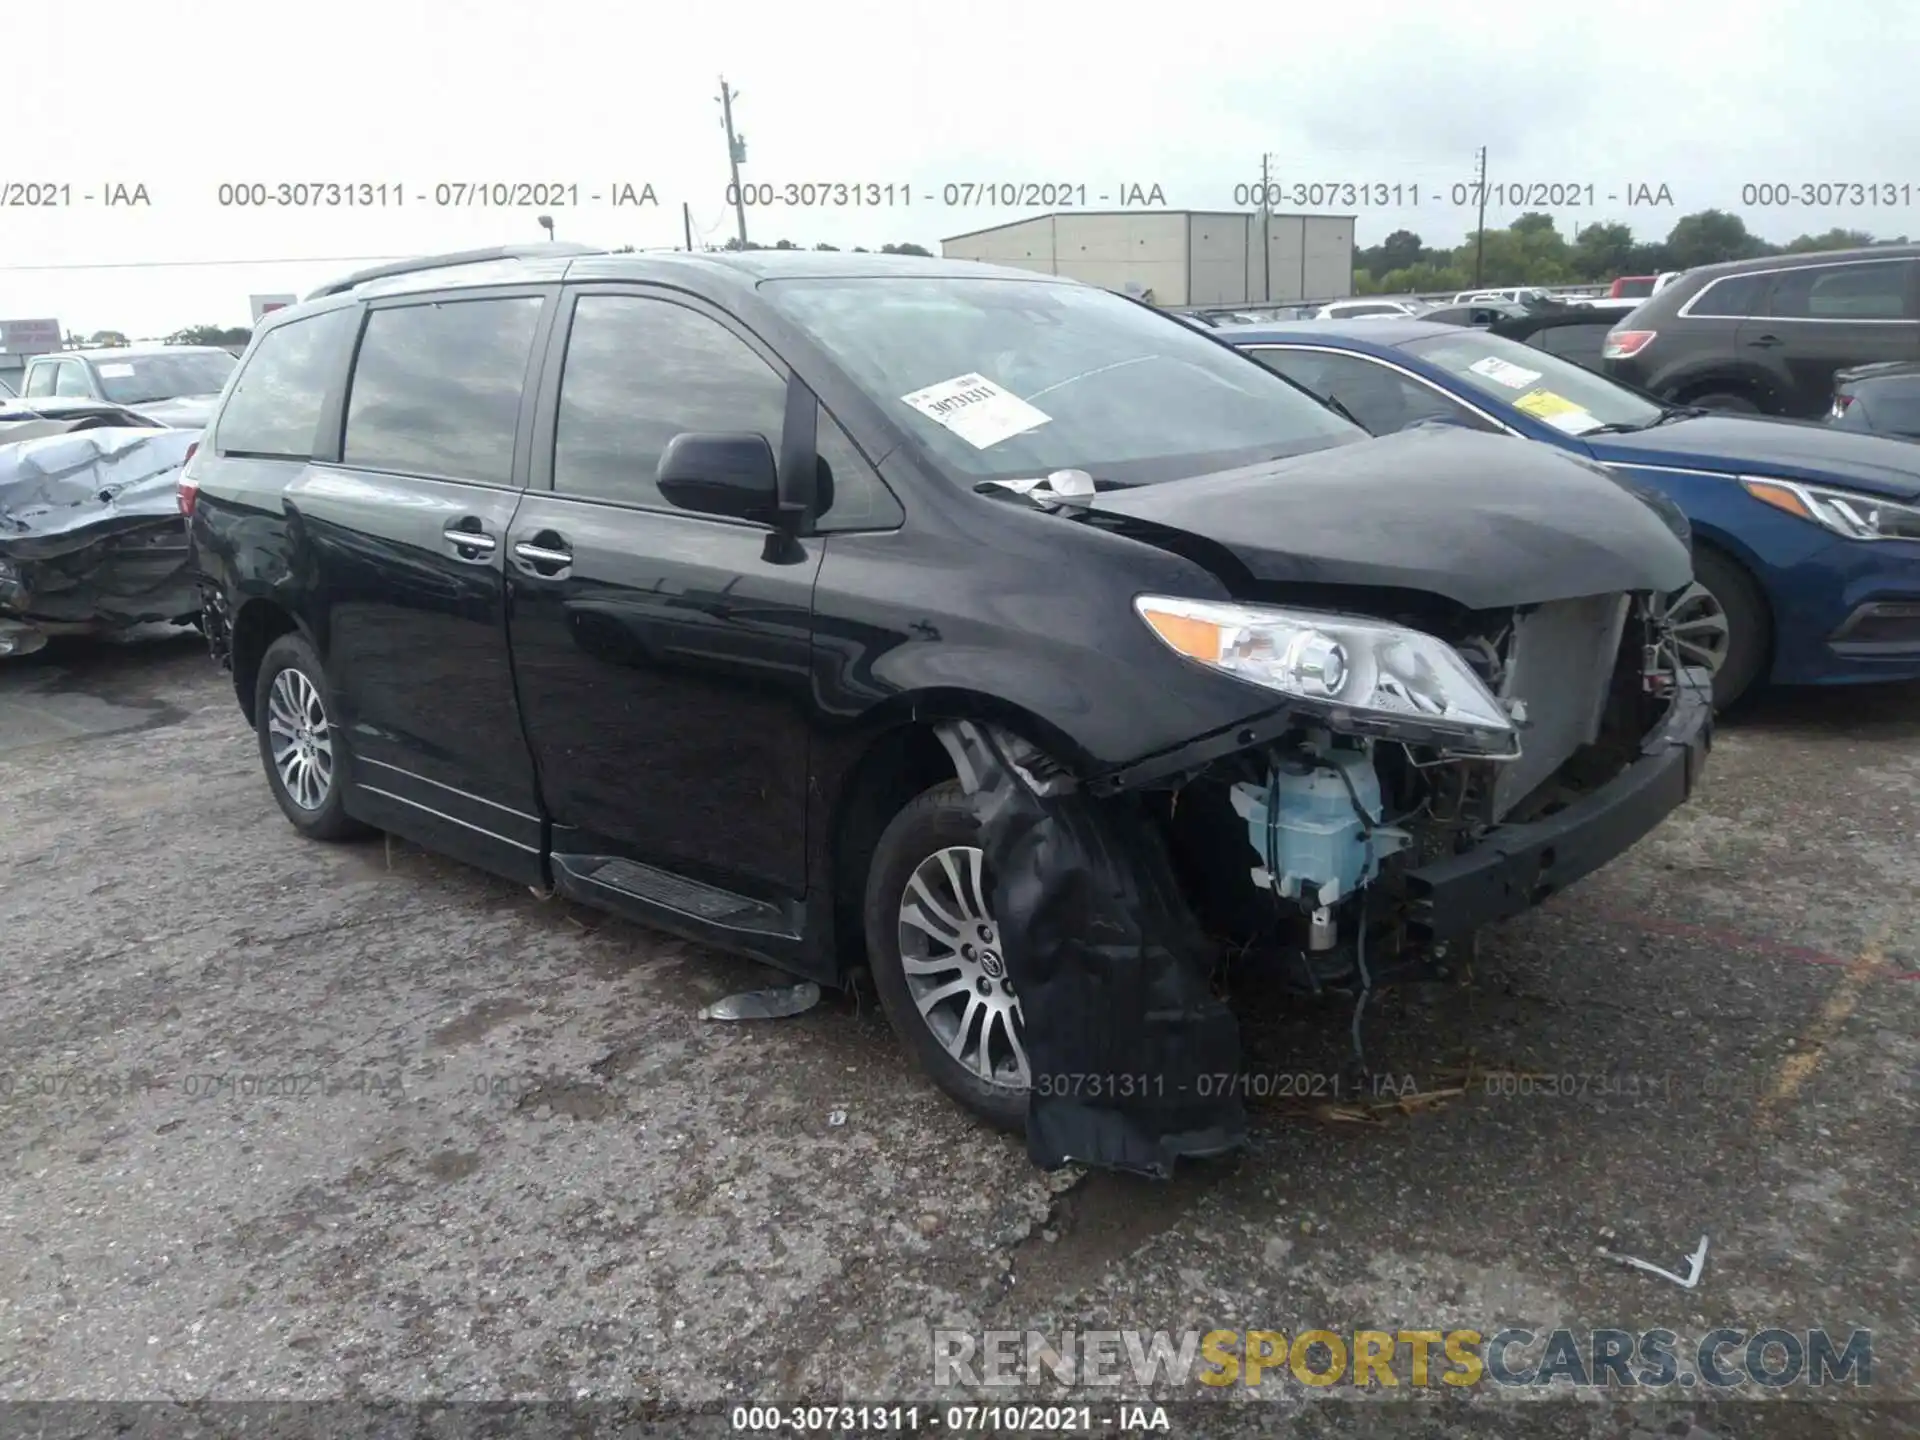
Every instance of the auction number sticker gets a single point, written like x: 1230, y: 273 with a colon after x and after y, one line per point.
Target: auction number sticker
x: 1557, y: 411
x: 977, y: 410
x: 1503, y: 372
x: 117, y: 370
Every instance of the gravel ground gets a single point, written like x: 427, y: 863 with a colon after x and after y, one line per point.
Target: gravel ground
x: 283, y: 1121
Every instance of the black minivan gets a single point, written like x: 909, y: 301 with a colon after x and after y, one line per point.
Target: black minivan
x: 1767, y: 336
x: 995, y: 634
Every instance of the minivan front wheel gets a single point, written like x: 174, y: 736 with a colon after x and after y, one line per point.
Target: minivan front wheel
x: 934, y: 949
x: 302, y: 750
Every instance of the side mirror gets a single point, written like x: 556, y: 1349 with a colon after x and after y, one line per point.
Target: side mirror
x: 732, y: 475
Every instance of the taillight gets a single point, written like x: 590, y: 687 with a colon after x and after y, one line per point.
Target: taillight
x: 1621, y: 344
x: 1840, y: 404
x: 188, y: 489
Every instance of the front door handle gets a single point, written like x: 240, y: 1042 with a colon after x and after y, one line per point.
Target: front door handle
x: 546, y: 555
x: 474, y: 546
x: 1765, y: 342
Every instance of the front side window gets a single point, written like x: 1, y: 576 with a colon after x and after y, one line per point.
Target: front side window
x: 640, y: 371
x: 41, y: 382
x: 1536, y: 383
x: 274, y: 409
x: 1381, y: 399
x: 1876, y: 291
x: 851, y: 494
x: 1009, y: 379
x: 436, y: 388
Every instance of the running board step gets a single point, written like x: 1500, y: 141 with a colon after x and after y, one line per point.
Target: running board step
x: 708, y: 904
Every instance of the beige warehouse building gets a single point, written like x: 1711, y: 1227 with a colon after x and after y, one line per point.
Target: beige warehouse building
x: 1181, y: 257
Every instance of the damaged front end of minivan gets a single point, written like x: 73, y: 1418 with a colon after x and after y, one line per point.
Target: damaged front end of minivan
x: 1473, y: 706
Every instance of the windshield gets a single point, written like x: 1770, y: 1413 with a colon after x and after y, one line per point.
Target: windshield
x: 141, y: 379
x: 1545, y: 386
x: 1011, y: 379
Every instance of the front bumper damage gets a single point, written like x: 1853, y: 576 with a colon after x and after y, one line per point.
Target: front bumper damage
x: 91, y: 538
x: 1516, y: 867
x: 1126, y: 1039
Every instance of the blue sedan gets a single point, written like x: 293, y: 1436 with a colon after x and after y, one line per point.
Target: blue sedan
x: 1806, y: 537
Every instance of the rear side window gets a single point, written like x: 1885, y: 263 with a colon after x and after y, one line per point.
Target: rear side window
x: 1843, y: 292
x: 274, y: 407
x: 1731, y: 297
x: 436, y: 388
x: 73, y: 381
x: 640, y: 371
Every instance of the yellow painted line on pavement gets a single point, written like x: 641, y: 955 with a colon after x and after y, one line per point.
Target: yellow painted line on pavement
x: 1866, y: 967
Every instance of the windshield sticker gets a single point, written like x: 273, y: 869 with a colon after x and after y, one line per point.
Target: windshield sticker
x: 977, y: 410
x: 1503, y: 372
x: 116, y: 371
x: 1557, y: 411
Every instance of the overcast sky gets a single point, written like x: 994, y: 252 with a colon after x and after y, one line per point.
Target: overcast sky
x: 1700, y: 97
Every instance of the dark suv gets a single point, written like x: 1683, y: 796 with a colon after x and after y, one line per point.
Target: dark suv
x: 996, y: 633
x: 1766, y: 336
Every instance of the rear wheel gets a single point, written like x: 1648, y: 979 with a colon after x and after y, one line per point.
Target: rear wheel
x: 936, y: 958
x: 1729, y: 401
x: 303, y: 751
x: 1720, y: 622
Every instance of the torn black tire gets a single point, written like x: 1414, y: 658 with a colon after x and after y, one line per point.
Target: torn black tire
x: 1134, y: 1061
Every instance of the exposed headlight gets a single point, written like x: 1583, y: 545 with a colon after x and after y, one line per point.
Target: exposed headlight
x: 1845, y: 512
x: 1359, y: 676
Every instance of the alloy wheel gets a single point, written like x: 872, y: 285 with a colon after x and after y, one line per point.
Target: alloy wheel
x: 300, y: 738
x: 1699, y: 625
x: 955, y: 970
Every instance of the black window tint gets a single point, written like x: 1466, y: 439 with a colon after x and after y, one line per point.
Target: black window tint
x: 1579, y: 343
x: 1731, y: 297
x: 1382, y: 400
x: 436, y: 388
x: 851, y: 493
x: 639, y: 372
x: 274, y: 408
x: 1842, y: 292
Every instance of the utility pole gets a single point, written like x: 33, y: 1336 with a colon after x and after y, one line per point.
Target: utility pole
x: 736, y: 152
x: 1266, y: 228
x: 1480, y: 235
x: 686, y: 221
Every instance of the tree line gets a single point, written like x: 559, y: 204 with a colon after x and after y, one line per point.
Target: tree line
x: 1532, y: 251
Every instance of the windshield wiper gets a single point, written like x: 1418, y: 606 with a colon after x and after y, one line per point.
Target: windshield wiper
x: 1680, y: 412
x: 1332, y: 402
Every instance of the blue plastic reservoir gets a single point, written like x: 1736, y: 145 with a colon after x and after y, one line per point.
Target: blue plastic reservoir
x: 1312, y: 844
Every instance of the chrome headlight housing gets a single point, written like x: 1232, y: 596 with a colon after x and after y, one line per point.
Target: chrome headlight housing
x: 1845, y: 512
x: 1357, y: 676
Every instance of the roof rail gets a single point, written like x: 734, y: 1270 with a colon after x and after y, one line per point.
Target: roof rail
x: 458, y: 257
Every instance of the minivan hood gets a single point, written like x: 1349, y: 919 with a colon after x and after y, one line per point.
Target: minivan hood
x: 1479, y: 519
x: 1761, y: 445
